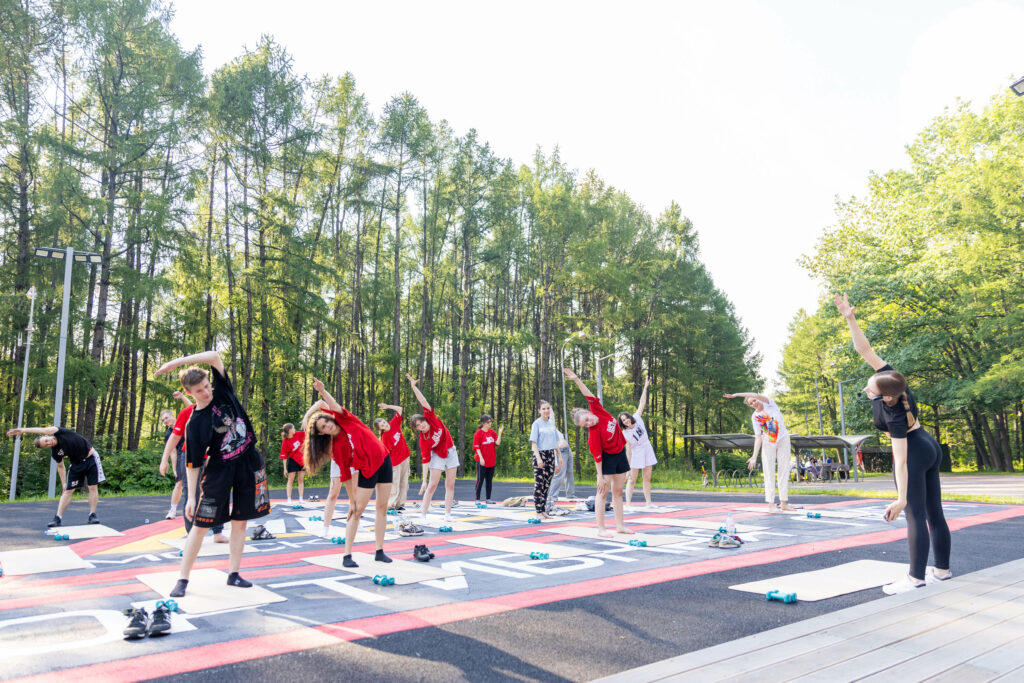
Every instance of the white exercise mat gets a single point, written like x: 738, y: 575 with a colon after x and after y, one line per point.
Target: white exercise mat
x: 41, y: 560
x: 84, y: 531
x: 209, y: 548
x: 694, y: 523
x: 362, y: 535
x: 513, y: 545
x: 828, y: 583
x: 825, y: 512
x: 274, y: 526
x: 591, y: 532
x: 208, y: 591
x: 403, y: 571
x: 437, y: 521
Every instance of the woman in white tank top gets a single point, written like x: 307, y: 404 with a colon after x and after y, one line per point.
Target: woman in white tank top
x: 643, y: 458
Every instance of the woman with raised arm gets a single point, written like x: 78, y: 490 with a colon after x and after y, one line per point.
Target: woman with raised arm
x: 485, y: 450
x: 642, y: 456
x: 546, y: 442
x: 437, y: 453
x: 390, y: 433
x: 336, y: 435
x: 772, y: 439
x: 611, y: 454
x: 916, y: 458
x: 291, y: 452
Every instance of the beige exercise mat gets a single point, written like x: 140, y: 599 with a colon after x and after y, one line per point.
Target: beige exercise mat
x: 591, y: 532
x: 274, y: 526
x: 828, y: 583
x: 694, y: 523
x: 208, y: 591
x: 362, y: 535
x: 512, y: 545
x: 403, y: 571
x: 209, y: 548
x: 84, y: 531
x: 825, y: 512
x: 437, y: 521
x: 41, y: 560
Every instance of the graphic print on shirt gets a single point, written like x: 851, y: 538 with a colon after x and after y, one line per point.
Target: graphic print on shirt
x: 610, y: 427
x: 436, y: 437
x: 769, y: 425
x: 236, y: 437
x: 636, y: 433
x: 488, y: 440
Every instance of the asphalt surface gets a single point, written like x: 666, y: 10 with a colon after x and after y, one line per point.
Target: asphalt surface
x: 574, y: 639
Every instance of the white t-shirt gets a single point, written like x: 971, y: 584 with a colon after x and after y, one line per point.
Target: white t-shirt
x: 637, y: 434
x: 769, y: 422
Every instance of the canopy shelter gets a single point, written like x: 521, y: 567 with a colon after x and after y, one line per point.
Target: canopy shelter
x: 726, y: 442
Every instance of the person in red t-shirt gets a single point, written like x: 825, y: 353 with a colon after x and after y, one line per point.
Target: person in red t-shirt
x: 291, y: 453
x: 338, y: 435
x: 485, y: 450
x: 611, y: 453
x: 174, y: 455
x: 436, y: 450
x: 390, y: 433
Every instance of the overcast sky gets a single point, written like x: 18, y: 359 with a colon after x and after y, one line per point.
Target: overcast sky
x: 753, y: 116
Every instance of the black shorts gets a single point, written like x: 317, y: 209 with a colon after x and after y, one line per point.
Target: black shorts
x: 82, y: 474
x: 383, y: 475
x: 231, y: 492
x: 615, y: 463
x: 291, y: 466
x: 181, y: 463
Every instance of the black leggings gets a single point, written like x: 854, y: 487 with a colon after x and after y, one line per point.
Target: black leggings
x: 484, y: 474
x: 925, y: 521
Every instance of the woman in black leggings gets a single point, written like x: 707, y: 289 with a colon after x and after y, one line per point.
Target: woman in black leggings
x: 916, y: 458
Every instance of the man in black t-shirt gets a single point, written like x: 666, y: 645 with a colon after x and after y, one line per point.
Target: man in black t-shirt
x: 85, y: 468
x: 234, y: 482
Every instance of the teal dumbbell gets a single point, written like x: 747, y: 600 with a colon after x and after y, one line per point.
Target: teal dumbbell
x: 638, y: 543
x: 533, y: 520
x: 180, y: 553
x: 171, y: 605
x: 776, y: 595
x: 444, y: 529
x: 316, y: 518
x: 813, y: 515
x: 538, y: 556
x: 481, y: 506
x: 61, y: 537
x: 340, y: 540
x: 392, y: 512
x: 384, y: 580
x: 296, y: 507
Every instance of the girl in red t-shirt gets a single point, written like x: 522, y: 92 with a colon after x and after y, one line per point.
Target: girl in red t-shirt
x: 336, y: 434
x: 291, y: 453
x: 611, y: 453
x: 437, y: 453
x: 390, y: 434
x: 485, y: 450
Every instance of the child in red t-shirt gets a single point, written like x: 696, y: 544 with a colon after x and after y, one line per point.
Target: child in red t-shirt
x: 336, y: 434
x: 611, y: 453
x: 390, y: 433
x: 436, y: 450
x: 291, y: 453
x: 485, y: 450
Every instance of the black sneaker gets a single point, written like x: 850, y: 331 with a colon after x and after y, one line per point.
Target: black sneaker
x: 54, y: 522
x: 421, y: 553
x: 161, y: 624
x: 93, y: 519
x: 138, y: 623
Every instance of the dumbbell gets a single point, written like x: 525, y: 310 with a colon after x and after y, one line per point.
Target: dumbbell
x: 316, y: 518
x: 444, y: 529
x: 337, y: 539
x: 533, y: 520
x: 392, y: 512
x: 384, y: 580
x: 171, y: 605
x: 813, y: 515
x: 296, y: 507
x: 776, y: 595
x: 638, y: 543
x: 538, y: 556
x: 482, y: 506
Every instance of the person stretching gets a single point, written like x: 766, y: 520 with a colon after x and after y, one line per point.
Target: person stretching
x: 611, y: 454
x: 336, y: 434
x: 916, y: 457
x: 390, y: 433
x: 772, y: 439
x: 291, y: 453
x: 436, y: 449
x: 85, y: 468
x: 220, y: 439
x: 642, y: 456
x: 485, y: 450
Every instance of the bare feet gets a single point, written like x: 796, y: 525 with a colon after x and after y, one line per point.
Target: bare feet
x: 220, y: 538
x: 624, y: 530
x: 545, y: 515
x: 785, y: 506
x: 772, y: 507
x: 604, y: 533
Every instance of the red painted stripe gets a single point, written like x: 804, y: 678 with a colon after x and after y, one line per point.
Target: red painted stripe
x: 140, y: 533
x: 231, y: 652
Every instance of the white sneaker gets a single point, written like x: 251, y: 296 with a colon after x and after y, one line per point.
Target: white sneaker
x: 629, y: 508
x: 448, y: 518
x: 326, y: 533
x: 904, y: 585
x: 930, y: 577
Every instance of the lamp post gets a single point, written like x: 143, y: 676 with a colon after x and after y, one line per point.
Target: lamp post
x: 842, y: 427
x: 1018, y: 87
x: 575, y: 335
x: 24, y: 383
x: 821, y: 426
x: 70, y: 256
x: 600, y: 389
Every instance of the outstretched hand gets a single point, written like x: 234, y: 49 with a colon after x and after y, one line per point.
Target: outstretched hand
x: 647, y: 382
x: 178, y: 395
x: 728, y: 395
x: 569, y: 373
x: 166, y: 367
x: 15, y: 432
x: 318, y: 386
x: 843, y: 304
x: 411, y: 380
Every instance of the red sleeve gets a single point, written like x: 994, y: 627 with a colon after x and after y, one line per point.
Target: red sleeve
x: 395, y: 422
x: 594, y: 443
x: 284, y: 450
x: 597, y: 409
x: 478, y: 440
x: 183, y: 416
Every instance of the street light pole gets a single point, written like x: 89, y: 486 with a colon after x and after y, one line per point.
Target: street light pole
x: 821, y: 426
x: 842, y: 426
x: 600, y: 388
x: 565, y: 416
x: 24, y: 384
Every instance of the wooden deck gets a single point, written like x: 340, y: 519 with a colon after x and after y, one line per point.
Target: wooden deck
x: 968, y: 629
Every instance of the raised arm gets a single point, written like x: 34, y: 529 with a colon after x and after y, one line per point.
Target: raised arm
x: 579, y: 383
x: 643, y: 397
x: 416, y: 391
x: 211, y: 358
x: 388, y: 406
x: 331, y: 404
x: 860, y: 342
x: 749, y: 394
x: 317, y: 405
x: 182, y: 397
x: 43, y: 431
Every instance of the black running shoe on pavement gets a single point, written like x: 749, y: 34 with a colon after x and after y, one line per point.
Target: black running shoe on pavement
x: 138, y: 623
x: 420, y: 553
x: 93, y: 519
x: 161, y: 623
x: 54, y: 522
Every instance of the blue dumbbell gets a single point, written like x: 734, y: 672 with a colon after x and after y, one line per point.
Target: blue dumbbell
x: 296, y: 507
x: 384, y: 580
x: 638, y: 543
x: 813, y: 515
x: 340, y: 540
x: 533, y: 520
x: 171, y: 605
x: 444, y: 529
x: 776, y: 595
x: 481, y: 506
x: 538, y: 556
x: 392, y: 512
x: 159, y: 604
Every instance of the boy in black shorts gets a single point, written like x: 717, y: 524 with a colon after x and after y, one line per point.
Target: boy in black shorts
x: 234, y: 482
x: 85, y: 469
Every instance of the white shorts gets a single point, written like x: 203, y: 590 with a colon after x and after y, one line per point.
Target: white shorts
x: 452, y: 460
x: 335, y: 470
x: 642, y: 456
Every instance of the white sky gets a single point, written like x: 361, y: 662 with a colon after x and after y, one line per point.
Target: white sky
x: 753, y: 116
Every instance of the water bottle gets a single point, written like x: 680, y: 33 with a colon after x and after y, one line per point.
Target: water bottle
x: 147, y: 521
x: 730, y: 526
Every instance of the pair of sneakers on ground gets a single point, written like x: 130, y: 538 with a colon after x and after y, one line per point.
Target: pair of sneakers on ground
x: 907, y: 584
x: 56, y: 521
x: 142, y: 624
x: 725, y: 540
